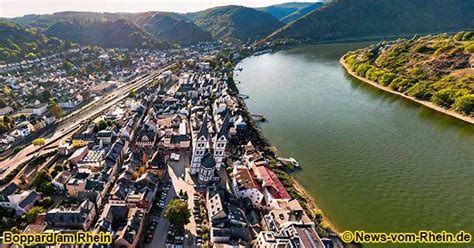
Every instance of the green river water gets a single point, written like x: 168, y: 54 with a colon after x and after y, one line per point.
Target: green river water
x: 372, y: 160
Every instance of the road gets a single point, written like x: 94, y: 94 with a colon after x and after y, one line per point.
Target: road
x: 72, y: 121
x: 175, y: 170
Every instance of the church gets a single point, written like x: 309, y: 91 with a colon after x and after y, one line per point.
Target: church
x: 209, y: 150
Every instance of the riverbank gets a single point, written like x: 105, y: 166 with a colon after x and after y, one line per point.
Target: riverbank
x: 314, y: 204
x: 430, y: 105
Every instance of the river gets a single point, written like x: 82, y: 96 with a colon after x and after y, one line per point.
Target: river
x: 373, y: 161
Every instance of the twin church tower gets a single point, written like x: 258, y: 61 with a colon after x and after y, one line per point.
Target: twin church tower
x: 209, y: 152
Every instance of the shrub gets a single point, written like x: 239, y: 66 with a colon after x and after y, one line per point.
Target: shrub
x: 362, y: 69
x: 444, y: 97
x: 465, y: 104
x: 33, y: 213
x: 387, y: 78
x: 417, y: 73
x: 421, y: 90
x: 43, y: 183
x: 45, y: 202
x: 469, y: 48
x: 401, y: 84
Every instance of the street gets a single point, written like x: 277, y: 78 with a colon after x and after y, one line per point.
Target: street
x: 175, y: 170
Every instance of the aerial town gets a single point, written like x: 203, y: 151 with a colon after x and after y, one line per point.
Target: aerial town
x: 156, y: 148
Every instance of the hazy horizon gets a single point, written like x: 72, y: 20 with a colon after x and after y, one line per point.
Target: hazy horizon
x: 16, y: 8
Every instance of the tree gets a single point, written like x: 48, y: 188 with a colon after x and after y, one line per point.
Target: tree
x: 58, y: 168
x: 45, y: 96
x: 55, y: 109
x: 3, y: 127
x: 444, y: 97
x: 39, y: 142
x: 177, y: 213
x: 469, y: 48
x: 43, y: 183
x: 132, y: 93
x: 464, y: 104
x: 102, y: 125
x: 362, y: 69
x: 387, y: 78
x: 67, y: 65
x: 33, y: 213
x: 45, y: 202
x: 421, y: 90
x: 228, y: 65
x: 31, y: 56
x: 7, y: 218
x: 7, y: 91
x: 3, y: 103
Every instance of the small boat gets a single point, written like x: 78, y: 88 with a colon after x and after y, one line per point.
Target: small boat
x: 294, y: 162
x: 290, y: 160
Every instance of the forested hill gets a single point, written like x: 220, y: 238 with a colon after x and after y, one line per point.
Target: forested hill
x: 173, y: 28
x: 280, y: 11
x: 18, y: 43
x: 438, y: 68
x: 301, y: 12
x: 236, y: 22
x: 354, y: 19
x: 108, y: 34
x: 45, y: 20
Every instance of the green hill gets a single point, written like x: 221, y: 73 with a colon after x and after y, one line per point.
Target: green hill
x: 17, y: 43
x: 301, y: 12
x: 46, y: 20
x: 109, y: 34
x: 355, y: 19
x: 173, y: 28
x: 236, y: 22
x: 432, y: 68
x: 279, y: 11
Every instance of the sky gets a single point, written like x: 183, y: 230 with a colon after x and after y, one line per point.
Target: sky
x: 13, y: 8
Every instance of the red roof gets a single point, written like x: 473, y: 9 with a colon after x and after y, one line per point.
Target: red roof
x: 275, y: 188
x: 247, y: 179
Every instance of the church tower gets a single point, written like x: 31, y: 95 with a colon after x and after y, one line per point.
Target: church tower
x: 222, y: 138
x: 201, y: 143
x: 207, y: 168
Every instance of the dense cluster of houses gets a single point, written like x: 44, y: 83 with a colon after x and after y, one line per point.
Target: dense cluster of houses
x: 32, y: 83
x: 256, y: 210
x: 118, y: 164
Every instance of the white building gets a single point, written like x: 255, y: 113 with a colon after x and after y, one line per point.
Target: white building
x: 201, y: 144
x: 221, y: 140
x: 245, y: 185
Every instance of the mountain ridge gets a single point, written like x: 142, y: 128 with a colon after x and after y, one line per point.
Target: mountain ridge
x: 282, y: 10
x: 17, y: 43
x: 174, y: 29
x: 236, y: 22
x: 119, y: 33
x: 351, y: 19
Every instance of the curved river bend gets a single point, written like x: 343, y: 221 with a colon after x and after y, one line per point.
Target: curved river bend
x: 372, y: 160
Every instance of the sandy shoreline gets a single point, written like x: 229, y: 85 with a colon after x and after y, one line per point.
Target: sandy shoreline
x: 313, y: 204
x: 430, y: 105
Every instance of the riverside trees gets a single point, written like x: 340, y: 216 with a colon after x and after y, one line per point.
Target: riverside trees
x: 431, y: 68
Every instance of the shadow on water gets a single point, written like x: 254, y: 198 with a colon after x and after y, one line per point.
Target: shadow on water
x: 441, y: 121
x: 372, y: 92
